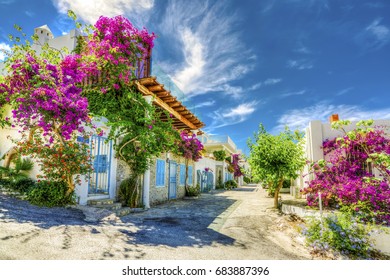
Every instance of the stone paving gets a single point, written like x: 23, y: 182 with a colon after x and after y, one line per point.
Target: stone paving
x: 237, y: 224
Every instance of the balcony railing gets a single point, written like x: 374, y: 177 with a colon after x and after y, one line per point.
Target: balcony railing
x: 144, y: 67
x: 143, y: 70
x: 218, y: 139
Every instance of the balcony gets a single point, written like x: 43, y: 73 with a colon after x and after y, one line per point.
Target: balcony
x: 219, y: 140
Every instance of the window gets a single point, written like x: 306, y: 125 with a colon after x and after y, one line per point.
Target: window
x: 189, y: 175
x: 182, y: 174
x: 160, y: 173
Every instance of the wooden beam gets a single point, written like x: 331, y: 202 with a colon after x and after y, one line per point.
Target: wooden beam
x: 165, y: 106
x: 174, y: 104
x: 168, y: 99
x: 147, y: 81
x: 162, y: 91
x: 162, y: 94
x: 156, y: 88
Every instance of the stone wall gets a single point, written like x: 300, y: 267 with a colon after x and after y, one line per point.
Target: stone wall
x: 123, y: 171
x: 160, y: 194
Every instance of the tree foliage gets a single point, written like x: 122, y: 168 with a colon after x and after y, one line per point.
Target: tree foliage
x: 219, y: 155
x: 274, y: 158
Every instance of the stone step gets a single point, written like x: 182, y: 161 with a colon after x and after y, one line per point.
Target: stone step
x: 123, y: 211
x: 112, y: 207
x: 96, y: 202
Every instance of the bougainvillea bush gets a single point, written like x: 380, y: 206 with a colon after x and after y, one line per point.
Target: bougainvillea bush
x: 53, y: 96
x: 44, y: 94
x: 190, y: 147
x: 346, y: 180
x: 236, y: 167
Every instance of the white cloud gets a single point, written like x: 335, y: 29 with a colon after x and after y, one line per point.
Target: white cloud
x: 374, y: 36
x: 302, y: 49
x: 256, y: 86
x: 267, y: 82
x: 194, y: 59
x: 301, y: 64
x: 3, y: 49
x: 231, y: 116
x: 91, y: 10
x: 344, y: 91
x: 300, y: 118
x: 381, y: 32
x: 293, y: 93
x: 240, y: 111
x: 29, y: 13
x: 204, y: 104
x: 272, y: 81
x: 213, y: 53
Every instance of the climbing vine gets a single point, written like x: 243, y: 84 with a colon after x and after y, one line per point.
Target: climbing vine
x: 136, y: 126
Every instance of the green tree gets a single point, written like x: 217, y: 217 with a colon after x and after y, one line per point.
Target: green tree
x: 274, y: 158
x: 219, y: 155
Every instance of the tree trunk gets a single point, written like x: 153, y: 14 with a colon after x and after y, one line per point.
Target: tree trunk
x: 9, y: 156
x: 186, y: 176
x: 276, y: 196
x: 70, y: 183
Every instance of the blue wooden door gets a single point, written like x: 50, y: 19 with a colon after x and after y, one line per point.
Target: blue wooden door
x: 172, y: 180
x: 101, y: 153
x: 210, y: 181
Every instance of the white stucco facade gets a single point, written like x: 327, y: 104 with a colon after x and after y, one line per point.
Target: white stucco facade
x: 219, y: 168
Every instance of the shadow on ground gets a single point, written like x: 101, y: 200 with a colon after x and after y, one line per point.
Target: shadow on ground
x: 12, y: 209
x: 182, y: 223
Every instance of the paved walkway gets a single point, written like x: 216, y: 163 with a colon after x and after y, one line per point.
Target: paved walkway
x: 237, y: 224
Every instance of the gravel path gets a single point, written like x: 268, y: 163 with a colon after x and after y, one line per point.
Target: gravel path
x: 237, y: 224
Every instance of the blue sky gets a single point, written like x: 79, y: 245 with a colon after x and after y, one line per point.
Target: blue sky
x: 241, y: 63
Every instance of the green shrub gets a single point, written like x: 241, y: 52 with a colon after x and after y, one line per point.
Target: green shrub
x: 247, y: 180
x: 220, y: 186
x: 193, y: 190
x: 5, y: 183
x: 50, y: 194
x: 22, y: 185
x: 231, y: 184
x: 219, y: 155
x: 341, y: 233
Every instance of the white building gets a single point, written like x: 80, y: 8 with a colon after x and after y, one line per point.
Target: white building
x: 219, y: 169
x: 163, y: 181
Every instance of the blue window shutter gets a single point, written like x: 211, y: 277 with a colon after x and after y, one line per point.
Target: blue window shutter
x: 190, y: 175
x: 182, y: 174
x: 160, y: 172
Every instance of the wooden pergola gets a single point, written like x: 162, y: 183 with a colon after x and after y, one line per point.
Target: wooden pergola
x: 164, y: 100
